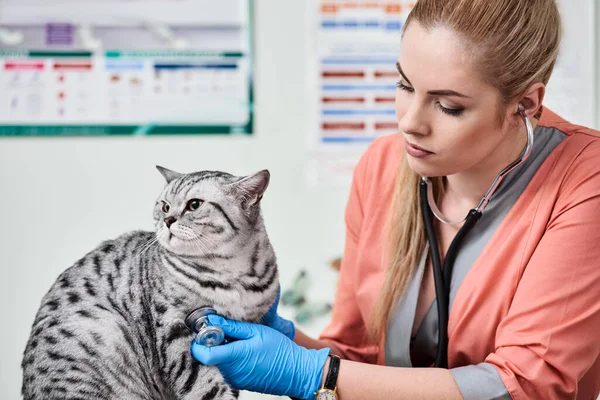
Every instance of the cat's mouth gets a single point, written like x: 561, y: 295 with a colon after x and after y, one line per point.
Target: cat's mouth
x: 177, y: 240
x: 181, y: 238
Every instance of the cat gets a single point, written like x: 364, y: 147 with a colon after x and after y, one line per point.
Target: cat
x: 112, y: 325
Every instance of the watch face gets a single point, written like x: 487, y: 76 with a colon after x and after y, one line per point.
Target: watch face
x: 326, y: 395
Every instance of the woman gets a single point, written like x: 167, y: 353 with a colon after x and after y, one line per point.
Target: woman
x: 524, y: 303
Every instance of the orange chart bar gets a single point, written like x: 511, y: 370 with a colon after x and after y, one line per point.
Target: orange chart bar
x: 354, y: 126
x: 72, y: 66
x: 343, y: 99
x: 386, y: 125
x: 343, y: 74
x: 390, y: 8
x: 386, y: 74
x: 385, y: 100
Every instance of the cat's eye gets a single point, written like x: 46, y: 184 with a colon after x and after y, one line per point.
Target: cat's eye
x: 194, y: 204
x: 165, y: 207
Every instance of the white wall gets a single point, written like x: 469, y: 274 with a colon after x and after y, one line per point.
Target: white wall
x: 61, y: 196
x: 572, y: 88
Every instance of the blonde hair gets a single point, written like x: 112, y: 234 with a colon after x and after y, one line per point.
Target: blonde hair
x: 515, y: 44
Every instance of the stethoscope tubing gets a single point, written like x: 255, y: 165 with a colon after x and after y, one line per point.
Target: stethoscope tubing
x: 443, y: 276
x: 440, y: 292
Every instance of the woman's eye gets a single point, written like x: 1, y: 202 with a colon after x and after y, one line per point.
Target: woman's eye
x: 455, y: 112
x: 194, y: 204
x: 404, y: 87
x: 165, y: 207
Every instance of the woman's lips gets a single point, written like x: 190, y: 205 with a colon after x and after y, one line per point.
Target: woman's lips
x: 416, y: 151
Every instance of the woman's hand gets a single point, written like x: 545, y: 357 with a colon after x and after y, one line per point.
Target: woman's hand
x: 263, y: 360
x: 273, y: 320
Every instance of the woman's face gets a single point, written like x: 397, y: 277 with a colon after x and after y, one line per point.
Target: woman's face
x: 445, y: 108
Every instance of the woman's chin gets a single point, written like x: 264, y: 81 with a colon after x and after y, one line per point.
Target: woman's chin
x: 424, y: 167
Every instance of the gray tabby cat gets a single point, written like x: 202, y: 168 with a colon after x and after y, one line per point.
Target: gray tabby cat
x: 112, y: 325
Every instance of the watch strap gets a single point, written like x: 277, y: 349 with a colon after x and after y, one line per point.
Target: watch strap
x: 332, y: 374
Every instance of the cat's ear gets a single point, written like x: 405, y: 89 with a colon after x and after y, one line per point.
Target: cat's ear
x: 168, y: 174
x: 250, y: 189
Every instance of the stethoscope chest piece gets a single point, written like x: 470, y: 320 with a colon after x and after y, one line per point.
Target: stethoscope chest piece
x: 206, y: 334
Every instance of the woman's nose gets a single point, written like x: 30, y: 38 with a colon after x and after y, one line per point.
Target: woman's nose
x: 412, y: 121
x: 169, y: 221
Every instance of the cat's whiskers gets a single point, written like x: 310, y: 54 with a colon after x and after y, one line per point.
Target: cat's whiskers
x: 199, y: 245
x: 196, y: 239
x: 200, y: 239
x: 213, y: 244
x: 145, y: 246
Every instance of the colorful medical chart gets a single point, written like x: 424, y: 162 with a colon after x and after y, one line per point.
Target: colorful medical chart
x: 357, y: 44
x: 125, y: 67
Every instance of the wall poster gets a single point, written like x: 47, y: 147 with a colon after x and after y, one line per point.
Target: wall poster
x: 356, y: 47
x: 125, y: 67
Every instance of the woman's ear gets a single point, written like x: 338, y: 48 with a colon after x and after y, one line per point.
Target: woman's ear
x: 532, y: 99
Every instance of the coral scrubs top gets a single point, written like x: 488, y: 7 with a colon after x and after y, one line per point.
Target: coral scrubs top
x: 528, y: 305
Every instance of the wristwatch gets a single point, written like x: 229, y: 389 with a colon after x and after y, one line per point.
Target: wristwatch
x: 328, y: 390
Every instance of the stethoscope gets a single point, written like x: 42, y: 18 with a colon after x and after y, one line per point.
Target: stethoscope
x: 204, y: 333
x: 443, y: 277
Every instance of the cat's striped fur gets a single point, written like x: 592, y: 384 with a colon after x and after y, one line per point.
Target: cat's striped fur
x: 112, y: 325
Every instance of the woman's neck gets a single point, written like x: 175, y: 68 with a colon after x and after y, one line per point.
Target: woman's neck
x: 464, y: 190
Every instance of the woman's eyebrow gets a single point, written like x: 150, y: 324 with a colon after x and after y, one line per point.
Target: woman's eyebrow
x: 442, y: 92
x: 399, y: 68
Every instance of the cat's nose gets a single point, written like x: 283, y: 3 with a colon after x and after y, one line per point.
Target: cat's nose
x: 169, y: 221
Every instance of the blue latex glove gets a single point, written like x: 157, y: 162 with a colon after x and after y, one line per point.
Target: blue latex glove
x: 263, y: 360
x: 273, y: 320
